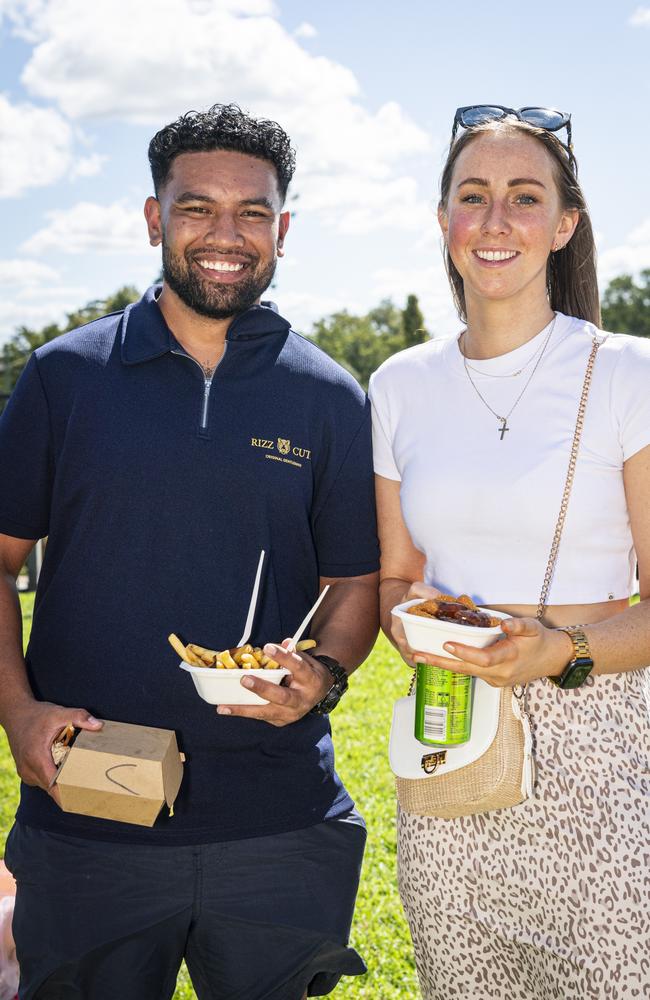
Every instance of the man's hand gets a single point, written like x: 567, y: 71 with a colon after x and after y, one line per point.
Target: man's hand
x: 306, y: 685
x: 31, y: 733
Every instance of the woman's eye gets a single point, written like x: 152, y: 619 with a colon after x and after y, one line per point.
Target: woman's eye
x: 472, y: 199
x: 527, y: 199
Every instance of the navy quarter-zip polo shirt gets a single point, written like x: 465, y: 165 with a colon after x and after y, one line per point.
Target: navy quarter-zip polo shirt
x: 157, y: 489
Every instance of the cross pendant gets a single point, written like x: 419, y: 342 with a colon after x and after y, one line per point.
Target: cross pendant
x: 504, y: 426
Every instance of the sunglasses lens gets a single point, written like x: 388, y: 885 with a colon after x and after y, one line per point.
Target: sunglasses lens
x: 479, y: 114
x: 544, y: 118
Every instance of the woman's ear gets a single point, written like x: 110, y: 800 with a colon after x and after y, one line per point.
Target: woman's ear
x: 443, y: 221
x: 567, y: 227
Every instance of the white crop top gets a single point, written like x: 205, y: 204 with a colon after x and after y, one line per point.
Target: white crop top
x: 483, y: 510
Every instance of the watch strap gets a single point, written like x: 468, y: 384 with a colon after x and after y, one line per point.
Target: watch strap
x: 580, y: 665
x: 339, y: 684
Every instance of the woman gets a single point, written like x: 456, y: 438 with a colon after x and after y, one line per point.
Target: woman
x: 548, y: 899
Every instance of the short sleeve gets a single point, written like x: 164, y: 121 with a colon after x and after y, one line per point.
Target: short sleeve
x: 26, y: 465
x: 382, y: 445
x: 345, y: 525
x: 631, y: 395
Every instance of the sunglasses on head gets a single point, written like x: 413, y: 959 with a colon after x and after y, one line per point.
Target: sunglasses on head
x: 547, y: 118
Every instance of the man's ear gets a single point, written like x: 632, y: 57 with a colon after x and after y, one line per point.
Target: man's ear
x: 283, y: 226
x: 154, y: 223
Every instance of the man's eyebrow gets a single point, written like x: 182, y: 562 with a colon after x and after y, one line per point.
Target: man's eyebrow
x: 190, y: 196
x: 515, y: 182
x: 194, y: 196
x: 262, y: 201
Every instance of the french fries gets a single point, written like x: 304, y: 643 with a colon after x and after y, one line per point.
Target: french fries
x: 241, y: 658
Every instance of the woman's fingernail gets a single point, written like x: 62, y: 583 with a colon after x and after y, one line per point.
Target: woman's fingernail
x: 248, y: 682
x: 222, y: 710
x: 270, y: 649
x: 449, y: 647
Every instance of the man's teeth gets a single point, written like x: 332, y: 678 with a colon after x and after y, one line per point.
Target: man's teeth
x: 496, y: 254
x: 220, y: 265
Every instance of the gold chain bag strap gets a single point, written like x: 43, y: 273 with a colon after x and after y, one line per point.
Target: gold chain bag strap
x: 503, y: 774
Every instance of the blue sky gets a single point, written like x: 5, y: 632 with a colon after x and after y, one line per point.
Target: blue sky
x: 367, y: 91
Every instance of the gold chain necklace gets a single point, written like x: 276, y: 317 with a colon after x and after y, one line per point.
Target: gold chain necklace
x: 503, y: 421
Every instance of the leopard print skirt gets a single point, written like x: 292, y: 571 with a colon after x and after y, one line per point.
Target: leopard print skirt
x: 549, y: 900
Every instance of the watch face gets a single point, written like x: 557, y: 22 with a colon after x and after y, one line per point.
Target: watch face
x: 578, y: 673
x: 329, y: 702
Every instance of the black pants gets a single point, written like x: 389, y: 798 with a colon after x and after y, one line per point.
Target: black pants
x: 259, y: 919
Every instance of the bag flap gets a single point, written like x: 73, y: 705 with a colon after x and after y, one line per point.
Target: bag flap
x: 406, y: 753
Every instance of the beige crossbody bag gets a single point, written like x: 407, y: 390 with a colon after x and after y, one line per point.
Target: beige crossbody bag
x: 496, y: 767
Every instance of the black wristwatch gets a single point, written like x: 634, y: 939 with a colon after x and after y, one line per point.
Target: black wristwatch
x: 338, y: 688
x: 578, y: 669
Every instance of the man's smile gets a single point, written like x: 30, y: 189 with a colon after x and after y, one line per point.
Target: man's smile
x: 223, y: 270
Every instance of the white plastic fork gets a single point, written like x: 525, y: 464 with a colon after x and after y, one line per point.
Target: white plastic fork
x: 248, y: 627
x: 306, y: 620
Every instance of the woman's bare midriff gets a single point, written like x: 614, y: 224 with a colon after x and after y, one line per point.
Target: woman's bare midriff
x: 566, y: 614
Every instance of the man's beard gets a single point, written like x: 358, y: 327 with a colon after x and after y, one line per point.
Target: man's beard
x: 210, y: 298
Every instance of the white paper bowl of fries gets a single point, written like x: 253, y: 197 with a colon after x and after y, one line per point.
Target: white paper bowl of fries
x: 223, y: 687
x: 429, y: 634
x: 217, y: 675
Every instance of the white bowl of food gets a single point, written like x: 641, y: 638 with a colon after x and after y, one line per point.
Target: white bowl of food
x: 218, y: 686
x: 428, y: 634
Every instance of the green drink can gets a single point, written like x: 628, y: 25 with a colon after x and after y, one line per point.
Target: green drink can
x: 443, y: 706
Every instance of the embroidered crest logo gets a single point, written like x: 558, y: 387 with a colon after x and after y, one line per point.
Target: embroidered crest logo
x: 284, y: 446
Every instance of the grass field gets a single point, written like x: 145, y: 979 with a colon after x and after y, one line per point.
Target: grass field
x: 361, y: 725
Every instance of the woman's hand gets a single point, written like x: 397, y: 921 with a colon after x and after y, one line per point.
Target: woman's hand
x: 425, y: 593
x: 527, y: 651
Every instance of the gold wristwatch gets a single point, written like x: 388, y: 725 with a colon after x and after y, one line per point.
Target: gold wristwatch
x: 577, y: 669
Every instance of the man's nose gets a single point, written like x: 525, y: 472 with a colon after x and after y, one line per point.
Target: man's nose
x: 224, y: 230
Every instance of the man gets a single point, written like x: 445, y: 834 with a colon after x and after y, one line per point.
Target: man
x: 160, y: 449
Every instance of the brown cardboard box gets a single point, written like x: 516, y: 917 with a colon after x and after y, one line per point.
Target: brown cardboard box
x: 123, y: 772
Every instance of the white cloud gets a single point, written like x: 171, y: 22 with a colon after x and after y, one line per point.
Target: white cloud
x: 305, y: 30
x: 92, y: 228
x: 629, y: 257
x: 91, y: 62
x: 20, y: 274
x: 354, y: 204
x: 38, y: 306
x: 36, y: 147
x: 89, y: 166
x: 640, y: 17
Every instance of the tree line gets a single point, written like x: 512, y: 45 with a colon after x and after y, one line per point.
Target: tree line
x: 359, y: 343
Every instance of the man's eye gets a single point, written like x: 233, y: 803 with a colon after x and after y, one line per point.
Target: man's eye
x: 252, y: 212
x: 197, y: 209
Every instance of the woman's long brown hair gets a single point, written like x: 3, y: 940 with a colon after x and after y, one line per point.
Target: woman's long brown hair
x: 571, y: 280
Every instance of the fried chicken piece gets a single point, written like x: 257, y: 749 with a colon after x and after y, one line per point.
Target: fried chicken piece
x: 421, y: 612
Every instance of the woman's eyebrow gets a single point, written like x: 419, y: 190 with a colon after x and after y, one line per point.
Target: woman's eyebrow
x: 525, y: 180
x: 515, y: 182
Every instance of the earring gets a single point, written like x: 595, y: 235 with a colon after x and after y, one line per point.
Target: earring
x: 556, y: 247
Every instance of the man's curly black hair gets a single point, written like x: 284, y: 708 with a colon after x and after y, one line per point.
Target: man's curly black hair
x: 223, y: 126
